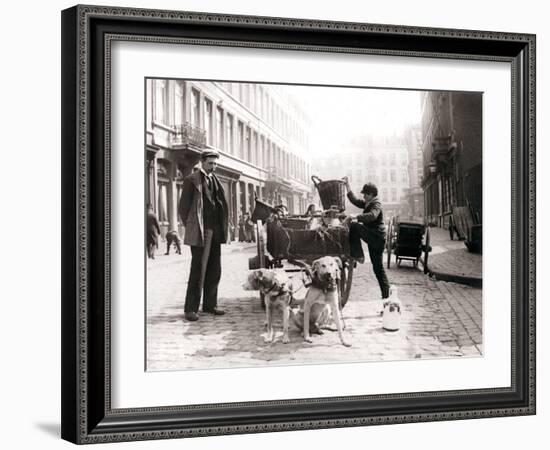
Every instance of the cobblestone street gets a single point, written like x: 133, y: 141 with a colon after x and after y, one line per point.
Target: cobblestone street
x: 439, y: 320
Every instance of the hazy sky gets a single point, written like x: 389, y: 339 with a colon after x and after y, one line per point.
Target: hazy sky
x: 339, y: 114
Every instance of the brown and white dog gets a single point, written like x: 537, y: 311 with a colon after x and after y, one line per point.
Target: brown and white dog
x: 276, y: 286
x: 325, y: 274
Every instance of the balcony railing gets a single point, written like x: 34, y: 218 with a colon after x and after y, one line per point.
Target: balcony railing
x: 187, y: 134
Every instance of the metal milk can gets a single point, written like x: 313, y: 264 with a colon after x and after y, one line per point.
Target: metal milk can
x: 391, y: 319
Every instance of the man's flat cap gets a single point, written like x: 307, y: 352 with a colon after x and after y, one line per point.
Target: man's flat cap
x: 209, y: 154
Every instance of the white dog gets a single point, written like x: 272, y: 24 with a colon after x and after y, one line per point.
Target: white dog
x: 324, y: 291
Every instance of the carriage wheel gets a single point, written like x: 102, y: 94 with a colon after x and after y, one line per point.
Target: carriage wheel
x: 389, y: 242
x: 427, y: 250
x: 346, y: 279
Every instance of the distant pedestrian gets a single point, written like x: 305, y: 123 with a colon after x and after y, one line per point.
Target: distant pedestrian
x: 173, y: 238
x: 249, y: 228
x: 242, y: 234
x: 311, y: 210
x: 281, y: 211
x: 153, y: 230
x: 369, y: 227
x: 204, y: 213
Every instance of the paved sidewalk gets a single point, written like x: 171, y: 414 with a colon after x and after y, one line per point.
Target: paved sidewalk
x: 451, y: 260
x: 439, y: 320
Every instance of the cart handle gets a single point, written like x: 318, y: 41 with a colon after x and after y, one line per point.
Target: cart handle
x: 314, y: 178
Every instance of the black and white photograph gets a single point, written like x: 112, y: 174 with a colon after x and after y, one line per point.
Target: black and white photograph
x: 291, y: 224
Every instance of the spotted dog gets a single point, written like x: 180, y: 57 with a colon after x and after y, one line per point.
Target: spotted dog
x: 277, y: 288
x: 325, y: 274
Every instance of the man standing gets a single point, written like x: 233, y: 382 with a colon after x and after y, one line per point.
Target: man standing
x: 203, y: 211
x: 153, y: 230
x: 370, y: 228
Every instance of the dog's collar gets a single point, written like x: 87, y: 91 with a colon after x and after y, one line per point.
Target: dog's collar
x: 315, y: 282
x: 281, y: 292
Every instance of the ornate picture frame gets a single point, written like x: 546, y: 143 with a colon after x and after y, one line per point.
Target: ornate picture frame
x: 88, y: 415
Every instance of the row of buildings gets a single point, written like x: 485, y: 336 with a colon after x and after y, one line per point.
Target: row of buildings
x: 259, y: 130
x: 430, y: 169
x: 263, y: 136
x: 383, y: 160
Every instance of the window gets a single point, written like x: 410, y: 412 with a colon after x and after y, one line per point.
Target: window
x: 178, y: 104
x: 241, y: 92
x: 384, y: 176
x: 246, y: 95
x: 248, y: 145
x: 230, y: 134
x: 261, y: 161
x: 160, y: 100
x: 393, y: 195
x: 195, y: 107
x: 219, y: 127
x: 404, y: 176
x: 392, y: 176
x: 208, y: 121
x: 255, y: 157
x: 240, y: 139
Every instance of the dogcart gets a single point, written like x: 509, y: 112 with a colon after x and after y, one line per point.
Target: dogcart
x: 293, y: 242
x: 408, y: 240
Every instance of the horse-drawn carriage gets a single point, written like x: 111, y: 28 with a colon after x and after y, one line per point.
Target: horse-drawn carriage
x: 293, y: 242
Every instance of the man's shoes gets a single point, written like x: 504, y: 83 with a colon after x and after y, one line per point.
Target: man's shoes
x: 215, y: 311
x: 360, y: 260
x: 191, y: 316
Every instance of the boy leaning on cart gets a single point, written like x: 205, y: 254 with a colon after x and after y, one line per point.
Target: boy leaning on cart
x: 369, y: 227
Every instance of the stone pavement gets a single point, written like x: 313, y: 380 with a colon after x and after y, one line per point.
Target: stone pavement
x: 439, y: 320
x: 451, y: 260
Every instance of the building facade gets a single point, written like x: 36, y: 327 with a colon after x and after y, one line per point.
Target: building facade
x: 415, y: 194
x: 451, y: 153
x: 381, y: 160
x: 259, y: 131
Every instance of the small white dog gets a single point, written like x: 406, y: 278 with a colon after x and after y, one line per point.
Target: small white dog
x: 324, y: 291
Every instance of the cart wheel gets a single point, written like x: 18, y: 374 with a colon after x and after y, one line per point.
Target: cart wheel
x: 389, y: 242
x: 346, y: 279
x: 427, y: 250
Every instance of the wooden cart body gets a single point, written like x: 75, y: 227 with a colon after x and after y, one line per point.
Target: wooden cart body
x: 289, y: 244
